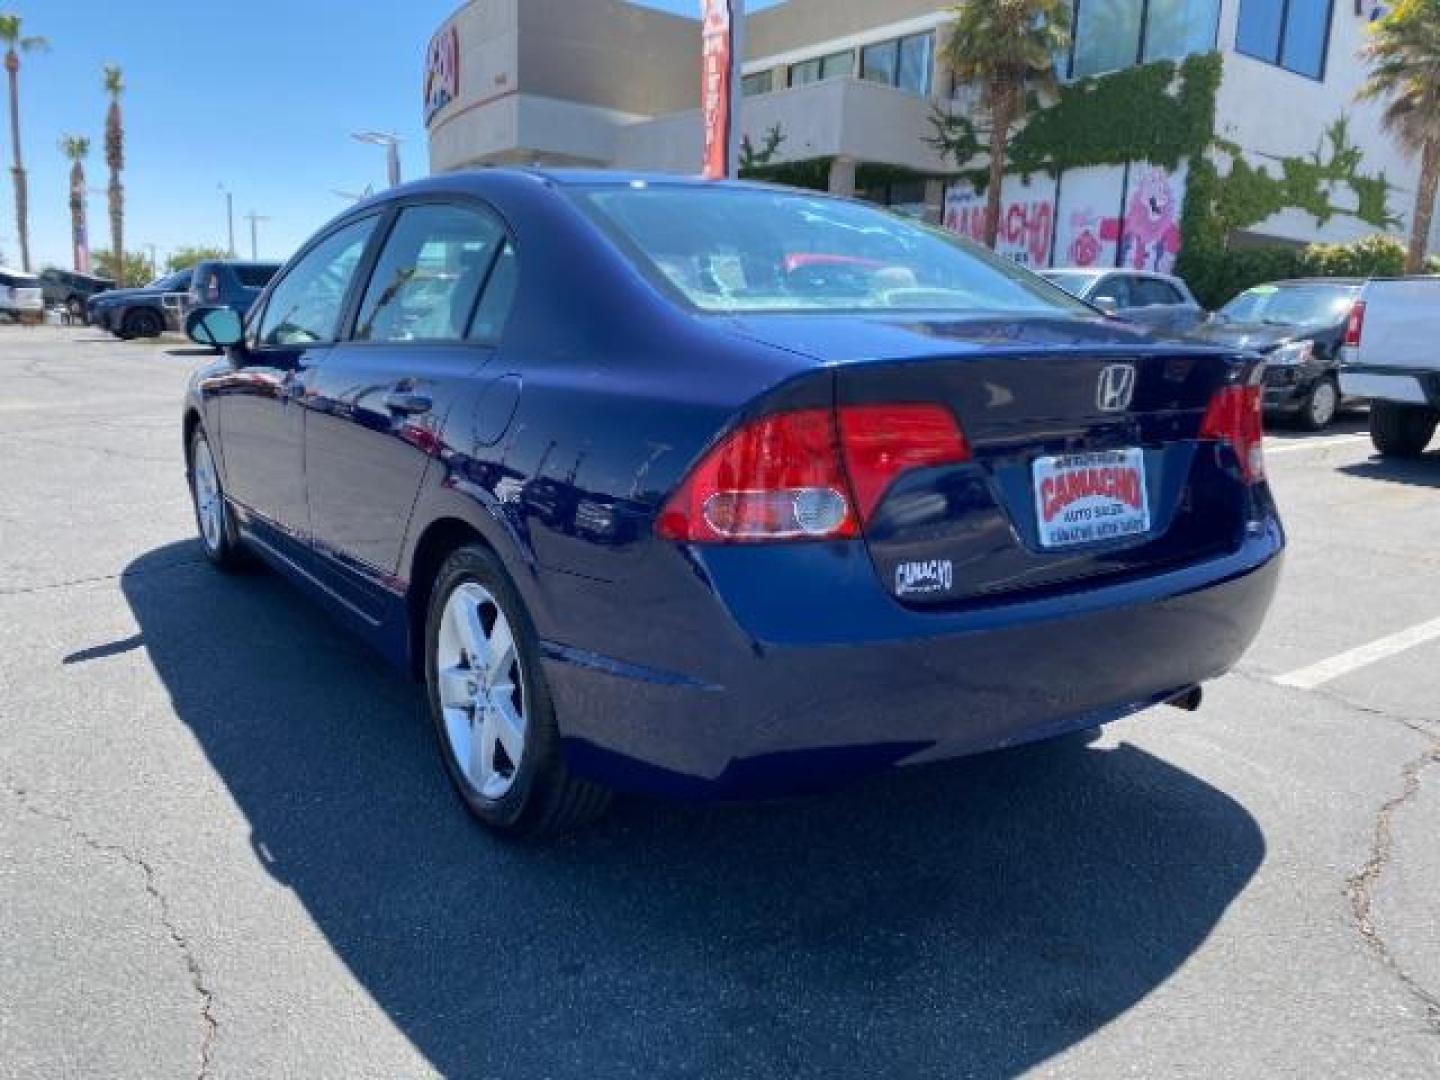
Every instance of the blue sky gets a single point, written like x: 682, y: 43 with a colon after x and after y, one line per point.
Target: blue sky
x: 260, y: 96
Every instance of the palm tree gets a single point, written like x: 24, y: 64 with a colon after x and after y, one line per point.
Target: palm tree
x: 1007, y: 47
x: 15, y: 44
x: 115, y: 158
x: 1404, y: 54
x: 77, y: 148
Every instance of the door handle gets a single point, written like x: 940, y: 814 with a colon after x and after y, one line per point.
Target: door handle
x: 408, y: 403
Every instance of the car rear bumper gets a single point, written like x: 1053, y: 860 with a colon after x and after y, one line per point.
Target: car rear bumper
x: 793, y: 703
x: 1408, y: 385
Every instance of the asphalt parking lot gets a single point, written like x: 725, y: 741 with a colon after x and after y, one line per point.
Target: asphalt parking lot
x: 226, y: 847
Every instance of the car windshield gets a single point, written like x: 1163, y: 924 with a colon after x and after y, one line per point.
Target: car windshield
x: 728, y: 249
x: 1308, y: 306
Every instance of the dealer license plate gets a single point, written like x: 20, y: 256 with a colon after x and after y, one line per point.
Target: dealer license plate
x: 1091, y: 498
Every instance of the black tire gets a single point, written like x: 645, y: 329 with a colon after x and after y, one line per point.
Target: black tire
x: 1321, y: 406
x: 142, y: 323
x: 543, y: 799
x: 225, y: 551
x: 1402, y: 431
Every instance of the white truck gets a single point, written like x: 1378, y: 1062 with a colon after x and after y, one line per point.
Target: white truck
x: 1391, y: 356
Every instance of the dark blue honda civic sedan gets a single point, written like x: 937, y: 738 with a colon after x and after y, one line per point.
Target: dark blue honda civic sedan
x: 722, y: 490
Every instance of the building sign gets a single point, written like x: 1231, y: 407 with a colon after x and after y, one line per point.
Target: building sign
x: 1027, y: 218
x: 717, y: 98
x: 442, y: 71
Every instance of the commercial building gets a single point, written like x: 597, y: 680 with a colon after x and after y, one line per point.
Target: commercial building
x: 841, y: 94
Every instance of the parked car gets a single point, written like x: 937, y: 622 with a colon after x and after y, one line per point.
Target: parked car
x: 1161, y: 302
x: 650, y: 505
x: 1298, y: 326
x: 229, y: 284
x: 145, y: 312
x: 71, y: 289
x: 1392, y: 358
x: 21, y: 297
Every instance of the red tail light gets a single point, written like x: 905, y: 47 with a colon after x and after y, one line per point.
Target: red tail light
x: 1355, y: 325
x: 784, y: 477
x: 212, y: 289
x: 883, y: 441
x: 1235, y: 416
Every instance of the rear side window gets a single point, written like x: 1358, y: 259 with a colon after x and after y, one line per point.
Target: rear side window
x: 499, y: 297
x: 429, y: 274
x: 305, y: 307
x: 255, y: 277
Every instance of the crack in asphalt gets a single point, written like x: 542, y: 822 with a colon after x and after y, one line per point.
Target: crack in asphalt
x: 1360, y: 887
x: 162, y: 903
x: 27, y: 590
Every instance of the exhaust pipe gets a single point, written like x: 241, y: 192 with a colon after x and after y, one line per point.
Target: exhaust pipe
x: 1188, y: 700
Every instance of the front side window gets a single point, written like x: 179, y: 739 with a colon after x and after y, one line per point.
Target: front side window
x: 1152, y: 292
x: 256, y: 275
x: 429, y: 274
x: 306, y: 305
x: 737, y: 250
x: 1293, y: 34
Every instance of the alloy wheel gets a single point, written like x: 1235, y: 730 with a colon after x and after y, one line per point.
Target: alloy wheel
x: 481, y: 690
x: 209, y: 505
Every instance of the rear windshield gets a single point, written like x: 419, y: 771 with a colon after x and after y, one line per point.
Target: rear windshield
x: 726, y: 249
x: 256, y: 275
x: 1309, y: 306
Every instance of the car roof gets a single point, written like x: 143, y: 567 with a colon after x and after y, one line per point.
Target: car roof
x: 1291, y: 282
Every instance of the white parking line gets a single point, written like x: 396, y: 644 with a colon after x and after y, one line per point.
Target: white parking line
x: 1308, y: 678
x: 1273, y: 447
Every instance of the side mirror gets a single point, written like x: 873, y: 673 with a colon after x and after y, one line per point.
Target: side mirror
x: 216, y: 327
x: 1106, y: 304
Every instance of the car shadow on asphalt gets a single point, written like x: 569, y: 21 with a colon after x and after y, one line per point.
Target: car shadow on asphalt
x: 1349, y: 422
x: 1417, y: 472
x: 970, y: 919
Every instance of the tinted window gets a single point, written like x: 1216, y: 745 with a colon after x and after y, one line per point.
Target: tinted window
x: 1291, y: 33
x: 737, y: 249
x: 1107, y: 36
x: 1150, y: 292
x: 499, y: 297
x: 759, y: 83
x: 429, y: 274
x: 916, y: 61
x: 1178, y: 28
x: 306, y: 305
x: 880, y: 63
x: 807, y: 71
x: 256, y: 276
x: 837, y: 65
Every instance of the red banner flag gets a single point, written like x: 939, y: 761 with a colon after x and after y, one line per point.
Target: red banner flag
x: 716, y: 87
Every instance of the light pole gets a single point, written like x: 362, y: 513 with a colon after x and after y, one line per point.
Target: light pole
x: 229, y: 217
x: 255, y: 220
x: 392, y: 151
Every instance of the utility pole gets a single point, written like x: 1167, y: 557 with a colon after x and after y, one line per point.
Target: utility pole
x: 255, y: 220
x: 229, y: 218
x: 154, y: 263
x: 391, y: 143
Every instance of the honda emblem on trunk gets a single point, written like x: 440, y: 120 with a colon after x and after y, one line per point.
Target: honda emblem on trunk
x: 1117, y: 388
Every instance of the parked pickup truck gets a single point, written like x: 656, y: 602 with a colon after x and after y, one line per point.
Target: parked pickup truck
x: 1391, y: 356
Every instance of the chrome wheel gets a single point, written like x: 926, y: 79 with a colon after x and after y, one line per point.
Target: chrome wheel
x: 1324, y: 404
x: 209, y: 505
x: 481, y: 690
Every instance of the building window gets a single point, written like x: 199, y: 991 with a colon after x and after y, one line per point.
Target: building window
x: 834, y: 66
x: 1114, y: 34
x: 905, y: 63
x: 1293, y: 34
x: 759, y: 83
